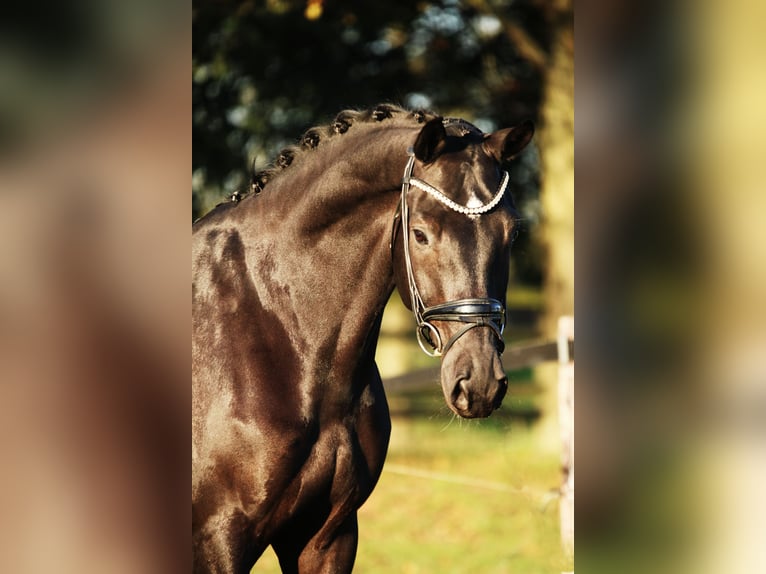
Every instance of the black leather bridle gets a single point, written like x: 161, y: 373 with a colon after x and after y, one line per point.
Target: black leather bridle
x: 474, y: 312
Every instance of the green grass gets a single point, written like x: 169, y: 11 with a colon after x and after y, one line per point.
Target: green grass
x: 460, y: 497
x: 441, y: 517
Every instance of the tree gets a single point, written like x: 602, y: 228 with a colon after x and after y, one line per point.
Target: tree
x: 556, y: 139
x: 264, y: 72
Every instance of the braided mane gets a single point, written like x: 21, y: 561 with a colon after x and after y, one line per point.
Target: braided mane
x: 315, y: 136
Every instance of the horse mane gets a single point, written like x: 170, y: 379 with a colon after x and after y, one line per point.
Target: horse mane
x: 316, y: 136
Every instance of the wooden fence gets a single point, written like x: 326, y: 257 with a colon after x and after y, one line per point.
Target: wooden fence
x: 519, y: 356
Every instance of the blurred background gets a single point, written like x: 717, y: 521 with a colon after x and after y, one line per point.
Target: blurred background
x: 94, y: 287
x: 671, y: 379
x: 455, y: 496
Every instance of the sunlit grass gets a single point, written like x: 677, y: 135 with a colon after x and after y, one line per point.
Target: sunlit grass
x: 449, y: 521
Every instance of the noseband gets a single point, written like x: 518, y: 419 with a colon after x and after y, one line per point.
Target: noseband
x: 475, y: 312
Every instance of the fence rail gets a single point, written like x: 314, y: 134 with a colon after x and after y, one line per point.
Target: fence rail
x: 520, y: 356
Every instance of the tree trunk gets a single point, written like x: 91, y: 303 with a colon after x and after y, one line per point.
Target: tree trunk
x: 556, y: 143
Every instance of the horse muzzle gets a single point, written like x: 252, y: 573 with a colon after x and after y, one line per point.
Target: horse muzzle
x: 472, y: 376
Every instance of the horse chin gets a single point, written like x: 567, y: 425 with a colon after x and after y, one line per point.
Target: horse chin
x: 474, y: 384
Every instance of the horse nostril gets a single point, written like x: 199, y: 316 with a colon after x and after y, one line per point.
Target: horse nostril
x: 460, y: 395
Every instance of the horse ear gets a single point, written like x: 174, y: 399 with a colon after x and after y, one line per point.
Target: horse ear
x: 504, y: 144
x: 431, y: 141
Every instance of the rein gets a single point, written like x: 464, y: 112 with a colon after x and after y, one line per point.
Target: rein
x: 474, y: 312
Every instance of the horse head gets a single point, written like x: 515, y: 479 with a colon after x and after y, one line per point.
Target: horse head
x: 452, y: 254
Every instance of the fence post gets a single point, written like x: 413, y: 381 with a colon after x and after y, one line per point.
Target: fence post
x: 566, y: 426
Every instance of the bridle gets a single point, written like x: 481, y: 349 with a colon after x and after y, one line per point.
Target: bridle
x: 474, y: 312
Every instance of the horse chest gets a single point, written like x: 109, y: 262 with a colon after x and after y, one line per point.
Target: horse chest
x: 337, y: 471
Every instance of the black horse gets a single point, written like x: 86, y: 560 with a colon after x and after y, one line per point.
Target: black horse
x: 290, y: 421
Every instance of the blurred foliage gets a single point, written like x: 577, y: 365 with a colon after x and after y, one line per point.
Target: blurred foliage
x: 264, y: 72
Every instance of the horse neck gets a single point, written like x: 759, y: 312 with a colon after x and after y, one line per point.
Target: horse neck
x: 325, y: 247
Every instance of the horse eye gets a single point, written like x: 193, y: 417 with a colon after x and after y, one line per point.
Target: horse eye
x: 420, y: 237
